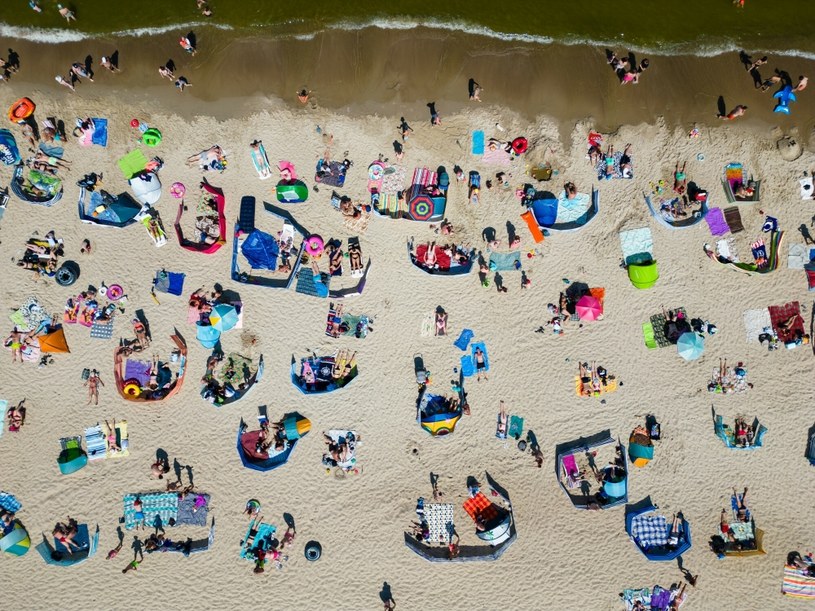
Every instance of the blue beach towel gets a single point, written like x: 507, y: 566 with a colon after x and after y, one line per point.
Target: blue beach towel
x: 52, y: 150
x: 100, y: 132
x: 483, y: 347
x: 516, y: 426
x: 467, y: 366
x: 505, y: 261
x: 464, y: 339
x: 478, y: 142
x: 169, y: 282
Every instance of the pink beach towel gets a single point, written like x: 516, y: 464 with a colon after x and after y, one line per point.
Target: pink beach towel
x: 497, y: 156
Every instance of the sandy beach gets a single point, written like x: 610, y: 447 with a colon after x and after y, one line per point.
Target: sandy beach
x: 563, y: 558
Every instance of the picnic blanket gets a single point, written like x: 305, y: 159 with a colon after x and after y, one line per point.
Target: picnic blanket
x: 658, y: 322
x: 715, y: 220
x: 637, y: 245
x: 732, y: 217
x: 505, y: 261
x: 756, y: 322
x: 782, y: 313
x: 650, y: 530
x: 439, y: 518
x: 169, y: 282
x: 797, y: 583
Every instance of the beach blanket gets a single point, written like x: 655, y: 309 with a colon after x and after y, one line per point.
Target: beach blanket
x: 616, y: 172
x: 100, y: 132
x: 797, y: 256
x: 169, y: 282
x: 305, y: 282
x: 95, y: 442
x: 637, y: 245
x: 496, y: 156
x: 132, y: 164
x: 611, y: 386
x: 138, y: 370
x: 797, y: 583
x: 569, y: 210
x: 732, y: 217
x: 439, y: 518
x: 658, y: 322
x: 756, y: 322
x: 715, y: 220
x: 781, y: 314
x: 443, y: 260
x: 742, y: 531
x: 464, y: 339
x: 30, y: 315
x: 479, y: 506
x: 390, y: 205
x: 505, y: 261
x: 478, y: 142
x: 9, y: 502
x: 102, y: 330
x: 649, y: 530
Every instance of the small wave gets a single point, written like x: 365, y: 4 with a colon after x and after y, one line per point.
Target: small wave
x: 61, y: 35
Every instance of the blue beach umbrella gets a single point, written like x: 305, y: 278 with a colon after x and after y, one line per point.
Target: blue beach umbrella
x: 224, y: 317
x: 207, y: 335
x: 690, y: 346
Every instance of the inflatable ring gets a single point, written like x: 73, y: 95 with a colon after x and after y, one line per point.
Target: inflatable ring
x: 21, y: 110
x: 115, y: 292
x: 178, y: 190
x: 253, y: 506
x: 520, y: 145
x: 314, y: 245
x: 132, y: 388
x: 313, y: 551
x: 376, y: 171
x: 151, y: 137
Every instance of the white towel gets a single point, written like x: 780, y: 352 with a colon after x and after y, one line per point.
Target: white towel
x: 807, y: 187
x: 797, y: 256
x: 755, y: 323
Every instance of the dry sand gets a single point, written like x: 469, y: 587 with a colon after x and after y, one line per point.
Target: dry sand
x: 563, y: 558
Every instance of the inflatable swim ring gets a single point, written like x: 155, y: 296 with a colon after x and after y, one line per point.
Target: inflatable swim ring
x: 313, y: 551
x: 132, y: 388
x: 115, y: 292
x: 253, y: 506
x: 519, y: 145
x: 21, y: 110
x: 314, y: 245
x: 178, y: 190
x: 151, y: 137
x: 376, y: 171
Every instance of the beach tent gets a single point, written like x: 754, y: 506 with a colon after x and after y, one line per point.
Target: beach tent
x: 9, y: 153
x: 295, y: 426
x: 146, y: 187
x: 643, y: 275
x: 562, y: 214
x: 72, y: 458
x: 207, y: 335
x: 728, y: 436
x: 640, y: 448
x: 613, y: 489
x: 16, y: 542
x: 650, y: 532
x: 112, y: 211
x: 54, y: 341
x: 55, y: 553
x: 435, y: 415
x: 199, y: 246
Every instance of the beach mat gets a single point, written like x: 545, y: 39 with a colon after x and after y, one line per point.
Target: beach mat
x: 637, y: 245
x: 658, y: 323
x: 439, y: 518
x: 505, y: 261
x: 169, y: 282
x: 732, y: 217
x: 715, y: 220
x: 133, y: 163
x: 102, y: 330
x: 478, y: 142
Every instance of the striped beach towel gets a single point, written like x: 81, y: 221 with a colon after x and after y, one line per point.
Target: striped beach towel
x: 95, y: 442
x: 797, y: 583
x: 9, y: 502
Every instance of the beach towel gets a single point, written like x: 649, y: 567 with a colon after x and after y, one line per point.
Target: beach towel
x: 161, y: 504
x: 169, y: 282
x: 467, y: 366
x: 122, y: 440
x: 30, y: 315
x: 797, y: 256
x: 264, y: 533
x: 306, y: 285
x: 569, y: 210
x: 332, y: 174
x: 781, y: 314
x: 505, y: 261
x: 439, y: 517
x: 649, y: 530
x: 809, y: 269
x: 630, y: 597
x: 9, y: 502
x: 715, y: 220
x: 797, y: 583
x: 648, y: 336
x: 95, y: 443
x: 732, y: 217
x: 261, y: 161
x: 483, y: 347
x: 52, y: 150
x: 393, y: 180
x: 192, y: 510
x: 479, y: 506
x: 658, y: 323
x: 132, y: 164
x: 9, y: 152
x: 616, y: 171
x: 637, y: 245
x: 516, y: 426
x: 756, y: 322
x: 464, y: 339
x: 102, y: 330
x: 726, y: 247
x: 497, y: 156
x: 478, y: 142
x: 100, y: 132
x: 571, y: 471
x: 3, y: 412
x: 138, y: 370
x: 428, y: 328
x: 759, y: 250
x: 443, y: 260
x: 611, y: 386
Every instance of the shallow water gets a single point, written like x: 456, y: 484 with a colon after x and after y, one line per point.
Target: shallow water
x: 686, y: 26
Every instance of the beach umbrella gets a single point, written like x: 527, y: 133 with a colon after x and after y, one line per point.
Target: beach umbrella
x: 16, y: 542
x: 421, y: 208
x: 223, y: 317
x: 690, y: 346
x: 53, y: 342
x: 207, y: 335
x: 589, y: 308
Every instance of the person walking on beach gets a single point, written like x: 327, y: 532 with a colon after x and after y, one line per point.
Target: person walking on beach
x: 167, y: 70
x: 181, y: 83
x: 93, y: 383
x: 474, y: 90
x: 435, y: 119
x: 107, y: 62
x: 738, y: 111
x: 404, y: 128
x: 65, y: 83
x: 66, y: 12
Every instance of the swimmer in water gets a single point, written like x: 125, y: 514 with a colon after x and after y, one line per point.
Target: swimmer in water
x: 303, y: 95
x: 66, y: 12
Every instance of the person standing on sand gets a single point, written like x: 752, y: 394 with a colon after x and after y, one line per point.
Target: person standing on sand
x: 738, y: 111
x: 435, y: 119
x: 93, y: 383
x: 66, y: 12
x: 167, y: 70
x: 404, y: 128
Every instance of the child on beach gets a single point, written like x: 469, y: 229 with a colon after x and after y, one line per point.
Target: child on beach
x: 404, y: 129
x: 738, y: 111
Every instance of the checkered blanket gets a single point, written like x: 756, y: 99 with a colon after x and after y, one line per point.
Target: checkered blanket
x: 650, y: 530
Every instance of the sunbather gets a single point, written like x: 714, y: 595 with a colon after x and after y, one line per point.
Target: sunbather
x: 253, y: 531
x: 585, y: 380
x: 154, y: 369
x: 113, y: 446
x: 680, y: 179
x: 570, y: 189
x: 93, y: 383
x: 503, y: 417
x: 724, y: 526
x: 676, y: 531
x: 52, y: 161
x: 337, y: 449
x: 335, y: 255
x: 15, y: 342
x: 65, y: 533
x: 16, y: 417
x: 609, y: 163
x: 430, y: 255
x: 742, y: 513
x: 441, y: 322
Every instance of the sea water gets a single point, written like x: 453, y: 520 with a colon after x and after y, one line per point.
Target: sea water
x: 698, y: 27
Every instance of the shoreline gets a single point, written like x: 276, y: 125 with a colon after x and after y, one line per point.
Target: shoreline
x: 395, y: 73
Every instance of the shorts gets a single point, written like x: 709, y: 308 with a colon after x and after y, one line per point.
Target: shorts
x: 585, y: 380
x: 480, y: 366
